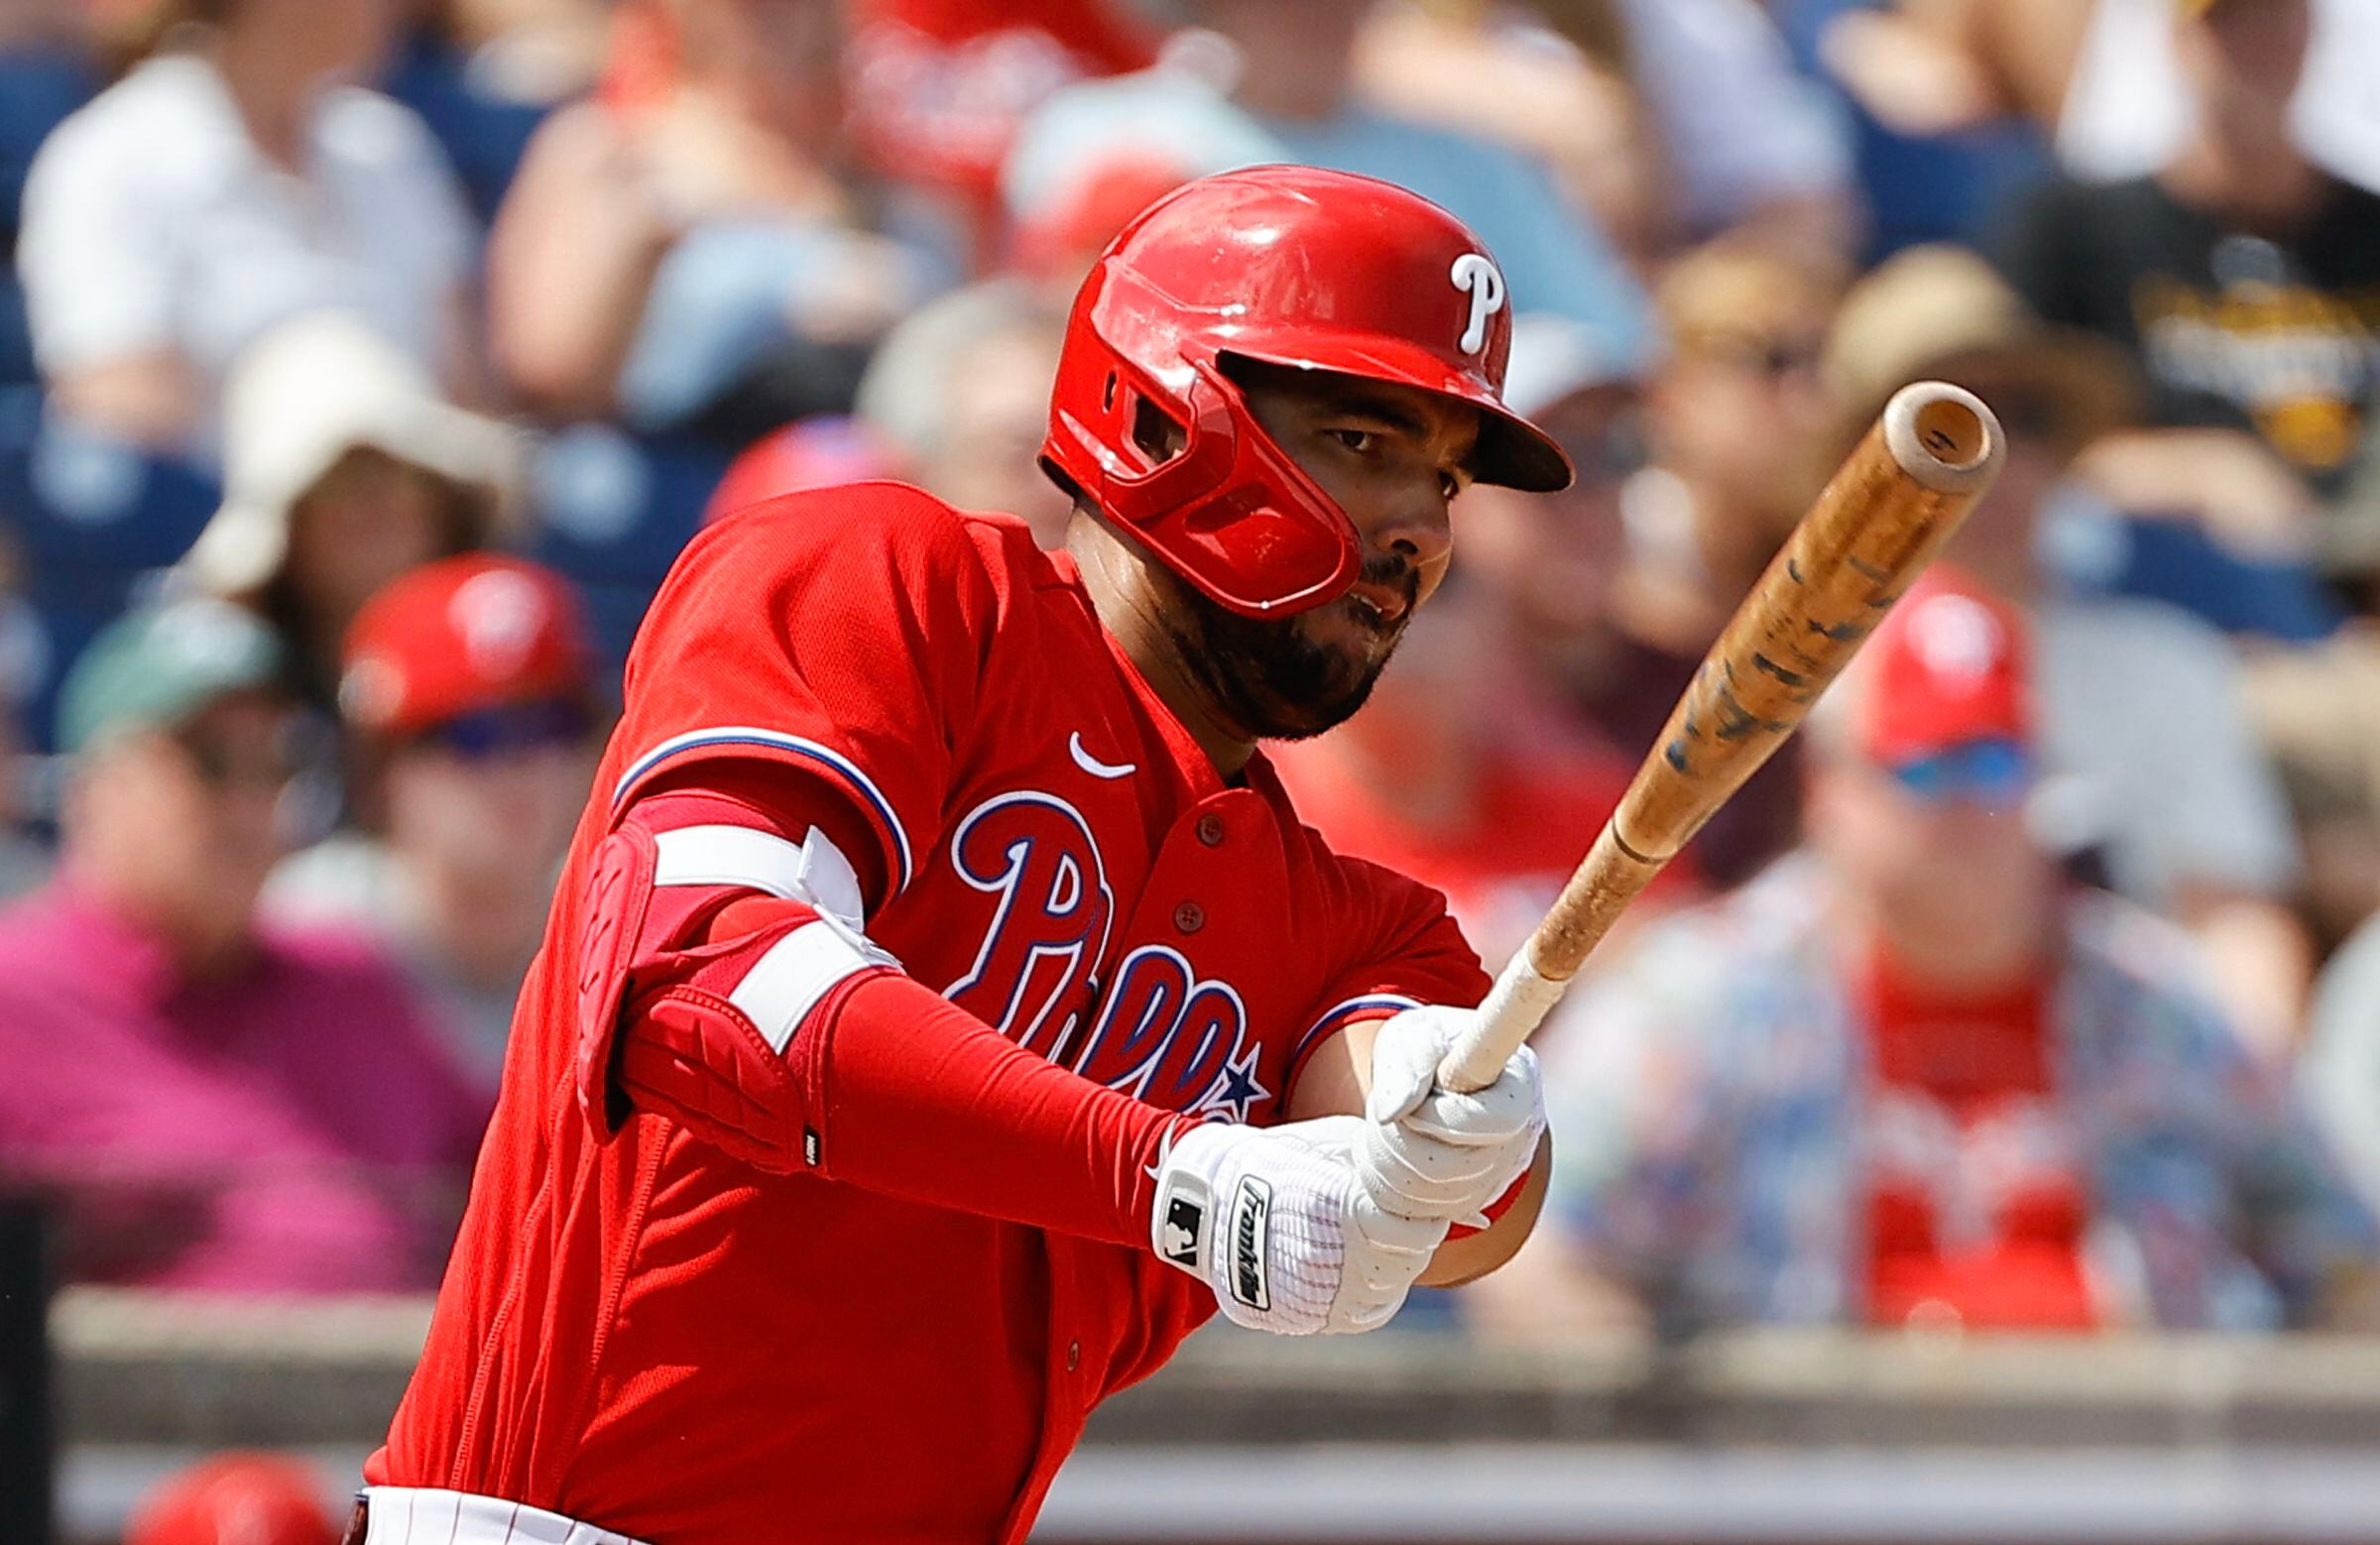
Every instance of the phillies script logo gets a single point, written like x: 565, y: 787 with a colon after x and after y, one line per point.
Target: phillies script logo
x: 1037, y: 854
x: 1162, y: 1033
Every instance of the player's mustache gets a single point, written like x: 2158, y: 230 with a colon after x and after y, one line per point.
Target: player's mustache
x: 1393, y: 571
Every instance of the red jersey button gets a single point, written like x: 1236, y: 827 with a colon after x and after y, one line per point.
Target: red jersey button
x: 1210, y: 829
x: 1189, y: 917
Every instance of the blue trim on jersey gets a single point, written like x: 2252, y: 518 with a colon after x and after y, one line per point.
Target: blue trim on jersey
x: 1339, y: 1013
x: 777, y: 740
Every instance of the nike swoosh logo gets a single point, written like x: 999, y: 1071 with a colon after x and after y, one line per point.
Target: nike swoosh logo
x: 1093, y: 765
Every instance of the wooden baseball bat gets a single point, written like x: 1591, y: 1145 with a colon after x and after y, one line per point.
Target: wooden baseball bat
x: 1927, y: 459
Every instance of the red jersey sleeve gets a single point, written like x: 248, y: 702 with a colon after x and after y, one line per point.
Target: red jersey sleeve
x: 1400, y: 947
x: 837, y: 634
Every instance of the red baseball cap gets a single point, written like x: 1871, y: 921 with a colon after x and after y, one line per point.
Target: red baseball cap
x: 460, y: 636
x: 1950, y: 668
x: 236, y: 1500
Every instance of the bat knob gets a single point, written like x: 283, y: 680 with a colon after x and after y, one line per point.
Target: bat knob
x: 1944, y: 436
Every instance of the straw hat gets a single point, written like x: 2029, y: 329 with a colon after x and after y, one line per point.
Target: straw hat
x: 305, y: 395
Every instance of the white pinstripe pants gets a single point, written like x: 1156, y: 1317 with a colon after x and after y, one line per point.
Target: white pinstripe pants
x: 410, y: 1515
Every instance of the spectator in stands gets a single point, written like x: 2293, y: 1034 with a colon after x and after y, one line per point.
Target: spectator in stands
x: 939, y: 86
x: 1937, y: 97
x: 960, y: 392
x: 2155, y: 771
x: 484, y: 73
x: 38, y: 22
x: 686, y: 249
x: 542, y: 51
x: 1911, y: 1077
x: 2128, y: 107
x: 2241, y: 274
x: 1745, y: 322
x: 1262, y: 82
x: 1671, y: 119
x: 2330, y: 760
x: 238, y: 178
x: 343, y: 469
x: 48, y: 69
x: 469, y: 689
x: 1554, y: 80
x: 1554, y: 559
x: 1753, y: 145
x: 1927, y: 67
x: 213, y: 1105
x: 2313, y: 710
x: 2099, y: 77
x: 24, y: 660
x: 2339, y: 1070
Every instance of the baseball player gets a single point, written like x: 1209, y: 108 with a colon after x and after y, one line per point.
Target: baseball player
x: 943, y: 1012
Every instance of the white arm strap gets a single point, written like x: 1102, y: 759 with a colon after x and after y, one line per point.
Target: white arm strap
x: 814, y: 871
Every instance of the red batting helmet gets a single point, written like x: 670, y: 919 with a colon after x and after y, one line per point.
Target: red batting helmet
x: 1290, y: 266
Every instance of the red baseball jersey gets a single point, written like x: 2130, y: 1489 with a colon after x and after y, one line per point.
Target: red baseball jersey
x: 648, y: 1334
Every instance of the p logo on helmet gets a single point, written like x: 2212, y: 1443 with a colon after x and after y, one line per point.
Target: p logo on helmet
x: 1476, y: 275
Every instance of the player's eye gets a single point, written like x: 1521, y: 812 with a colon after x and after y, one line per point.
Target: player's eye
x: 1356, y: 441
x: 1450, y: 484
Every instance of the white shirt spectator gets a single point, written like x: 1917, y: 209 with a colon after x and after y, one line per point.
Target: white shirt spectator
x: 153, y: 223
x: 2151, y: 755
x: 2128, y: 110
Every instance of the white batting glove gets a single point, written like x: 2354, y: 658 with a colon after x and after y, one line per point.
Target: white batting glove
x: 1429, y: 1153
x: 1278, y: 1222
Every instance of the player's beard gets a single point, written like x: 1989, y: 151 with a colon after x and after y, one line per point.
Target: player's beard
x: 1292, y: 679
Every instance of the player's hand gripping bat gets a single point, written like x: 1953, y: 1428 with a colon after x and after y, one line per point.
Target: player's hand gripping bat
x: 1888, y: 509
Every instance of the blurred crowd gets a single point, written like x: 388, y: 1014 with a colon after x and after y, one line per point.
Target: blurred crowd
x: 364, y: 363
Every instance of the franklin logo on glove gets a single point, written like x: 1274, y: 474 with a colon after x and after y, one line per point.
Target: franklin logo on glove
x: 1249, y: 1227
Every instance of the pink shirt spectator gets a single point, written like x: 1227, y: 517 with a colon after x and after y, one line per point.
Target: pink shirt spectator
x: 290, y: 1129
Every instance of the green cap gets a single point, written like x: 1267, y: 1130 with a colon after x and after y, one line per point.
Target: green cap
x: 156, y: 667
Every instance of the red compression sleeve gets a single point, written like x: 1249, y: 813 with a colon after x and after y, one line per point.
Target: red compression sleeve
x: 918, y: 1099
x: 896, y: 1088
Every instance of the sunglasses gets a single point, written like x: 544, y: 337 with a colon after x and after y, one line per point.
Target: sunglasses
x: 1775, y: 358
x: 1995, y: 773
x: 262, y: 764
x: 510, y: 729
